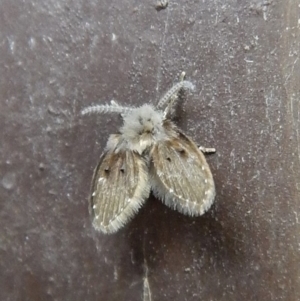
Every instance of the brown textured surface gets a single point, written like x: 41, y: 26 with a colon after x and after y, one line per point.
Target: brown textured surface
x: 58, y: 57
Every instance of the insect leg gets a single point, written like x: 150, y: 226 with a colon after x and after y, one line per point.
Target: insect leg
x: 207, y: 149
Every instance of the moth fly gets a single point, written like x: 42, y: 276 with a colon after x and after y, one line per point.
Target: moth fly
x: 149, y: 153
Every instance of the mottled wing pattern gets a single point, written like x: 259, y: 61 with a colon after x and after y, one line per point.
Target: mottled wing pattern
x: 181, y: 177
x: 120, y: 187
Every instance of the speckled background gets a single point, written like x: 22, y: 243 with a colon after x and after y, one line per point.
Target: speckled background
x: 57, y: 57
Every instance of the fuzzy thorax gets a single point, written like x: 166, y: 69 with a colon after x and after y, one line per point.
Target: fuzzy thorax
x: 142, y: 127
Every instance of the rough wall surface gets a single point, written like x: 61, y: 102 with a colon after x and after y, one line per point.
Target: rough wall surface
x: 57, y: 57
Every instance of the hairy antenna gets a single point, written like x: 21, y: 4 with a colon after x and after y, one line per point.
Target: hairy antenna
x: 173, y: 92
x: 102, y: 109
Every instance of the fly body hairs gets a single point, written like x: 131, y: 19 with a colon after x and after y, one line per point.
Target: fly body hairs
x: 149, y: 153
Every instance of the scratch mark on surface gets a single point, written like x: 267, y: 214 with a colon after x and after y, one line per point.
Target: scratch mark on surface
x: 296, y: 216
x: 158, y: 76
x: 147, y: 296
x: 116, y: 275
x: 132, y: 257
x: 113, y: 37
x: 265, y: 13
x: 267, y: 98
x: 146, y: 287
x: 293, y: 99
x: 12, y: 45
x: 257, y: 175
x: 216, y: 20
x: 292, y: 70
x: 232, y: 159
x: 295, y: 122
x: 297, y: 135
